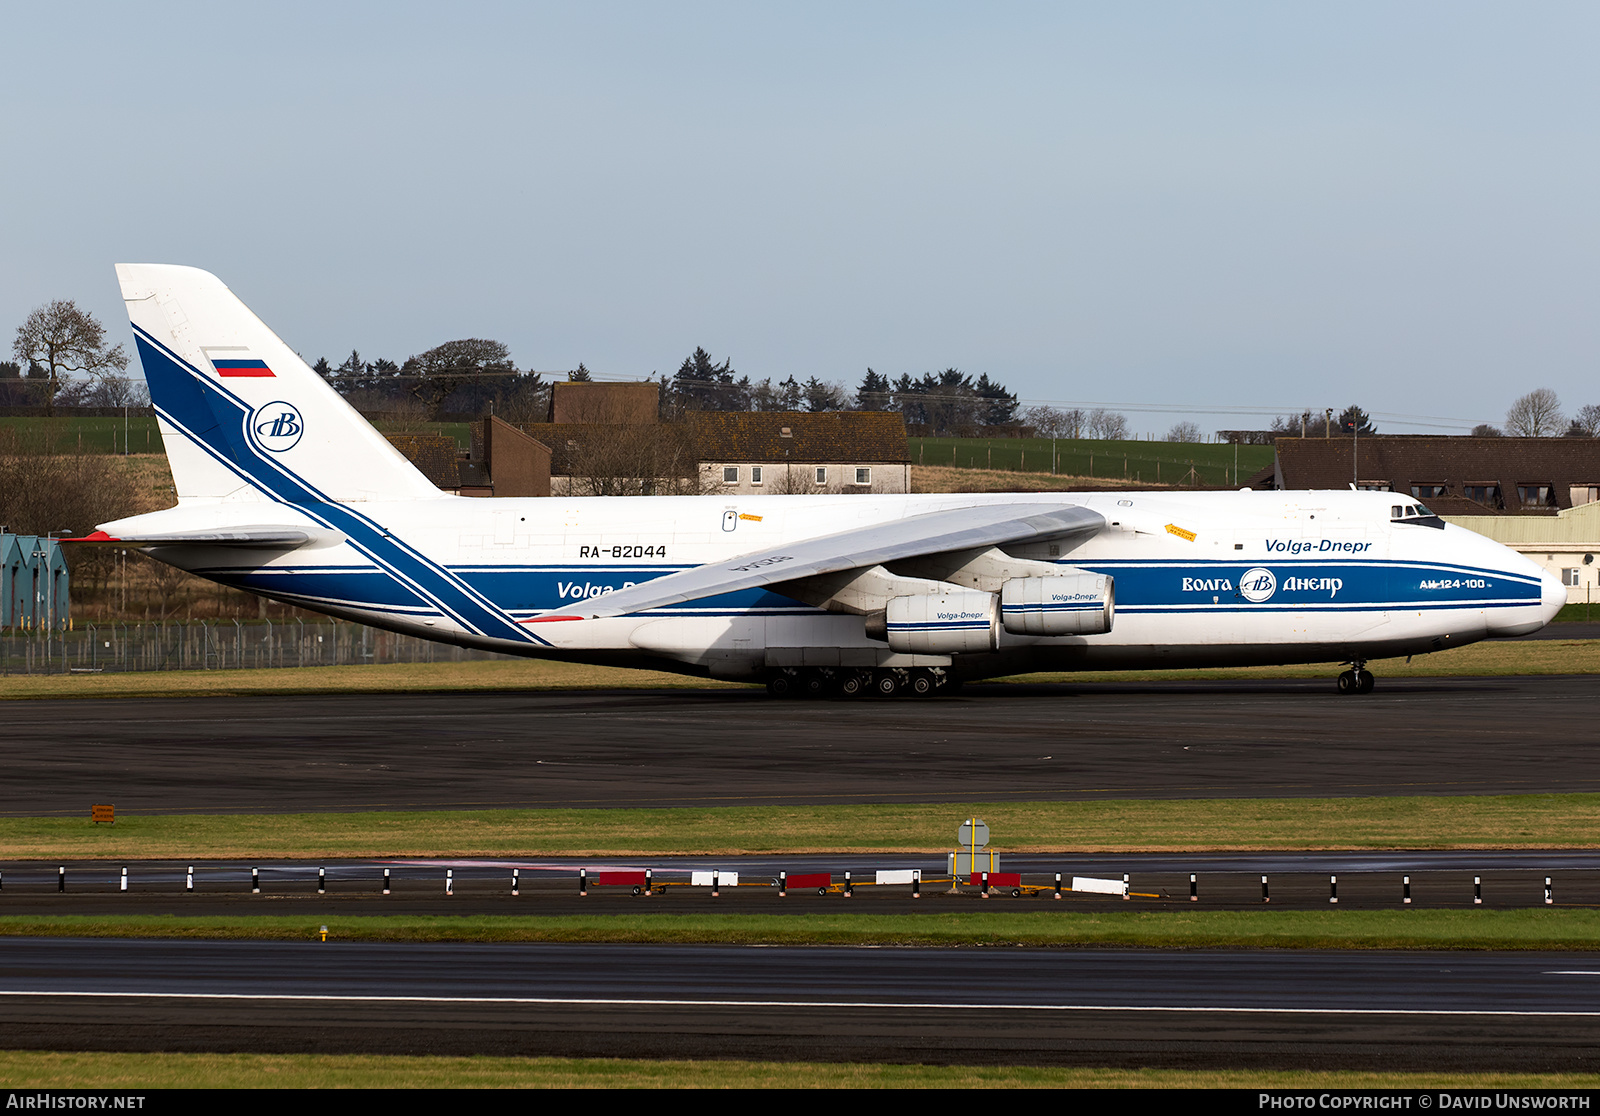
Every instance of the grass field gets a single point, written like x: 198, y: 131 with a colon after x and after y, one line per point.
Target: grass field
x: 1101, y: 825
x: 1051, y: 924
x: 28, y: 1069
x: 1488, y: 659
x: 139, y: 433
x: 1159, y: 463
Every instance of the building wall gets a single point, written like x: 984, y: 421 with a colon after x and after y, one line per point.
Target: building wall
x: 802, y: 477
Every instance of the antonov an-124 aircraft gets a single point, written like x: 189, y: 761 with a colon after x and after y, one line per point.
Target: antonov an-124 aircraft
x: 285, y: 491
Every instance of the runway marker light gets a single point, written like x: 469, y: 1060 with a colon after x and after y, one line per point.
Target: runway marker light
x: 386, y: 881
x: 1406, y: 880
x: 322, y: 881
x: 1194, y: 888
x: 986, y: 885
x: 1477, y: 891
x: 188, y: 879
x: 783, y: 884
x: 61, y: 878
x: 716, y: 883
x: 583, y: 881
x: 324, y: 933
x: 1058, y: 885
x: 124, y: 884
x: 514, y: 881
x: 1265, y: 898
x: 255, y: 881
x: 649, y: 882
x: 916, y: 883
x: 449, y: 881
x: 849, y: 888
x: 1125, y: 895
x: 1549, y: 893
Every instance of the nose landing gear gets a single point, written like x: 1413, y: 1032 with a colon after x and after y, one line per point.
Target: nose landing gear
x: 1357, y: 680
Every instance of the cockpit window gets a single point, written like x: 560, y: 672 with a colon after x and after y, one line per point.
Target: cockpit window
x: 1419, y: 514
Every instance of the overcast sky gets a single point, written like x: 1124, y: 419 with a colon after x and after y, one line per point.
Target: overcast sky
x: 1176, y: 209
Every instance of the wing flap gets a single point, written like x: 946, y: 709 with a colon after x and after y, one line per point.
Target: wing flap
x: 914, y: 536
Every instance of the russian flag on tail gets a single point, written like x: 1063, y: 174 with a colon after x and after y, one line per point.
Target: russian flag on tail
x: 240, y: 367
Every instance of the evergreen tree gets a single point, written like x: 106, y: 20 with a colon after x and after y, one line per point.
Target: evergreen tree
x: 874, y: 393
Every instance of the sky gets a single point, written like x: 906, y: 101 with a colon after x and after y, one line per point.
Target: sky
x: 1216, y: 212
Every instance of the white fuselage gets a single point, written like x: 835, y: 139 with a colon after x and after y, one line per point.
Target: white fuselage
x: 1201, y: 579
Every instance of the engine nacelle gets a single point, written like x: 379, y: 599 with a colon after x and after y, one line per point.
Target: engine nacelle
x: 944, y: 624
x: 1068, y: 604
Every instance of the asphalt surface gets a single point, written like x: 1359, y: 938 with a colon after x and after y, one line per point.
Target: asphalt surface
x: 702, y: 747
x: 1382, y: 1010
x: 600, y: 749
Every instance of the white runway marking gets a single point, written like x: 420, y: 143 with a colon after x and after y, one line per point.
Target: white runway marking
x: 897, y: 1005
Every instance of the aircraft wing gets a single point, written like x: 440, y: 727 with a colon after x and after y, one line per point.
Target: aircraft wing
x: 276, y: 538
x: 930, y: 533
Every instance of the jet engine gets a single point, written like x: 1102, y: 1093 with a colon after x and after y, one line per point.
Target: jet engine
x: 941, y: 624
x: 1071, y: 604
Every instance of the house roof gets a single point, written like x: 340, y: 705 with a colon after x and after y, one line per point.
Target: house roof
x: 777, y: 436
x: 1402, y: 462
x: 762, y: 437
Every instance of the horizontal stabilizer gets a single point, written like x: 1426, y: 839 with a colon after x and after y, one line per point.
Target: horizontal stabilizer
x: 915, y: 536
x: 274, y: 538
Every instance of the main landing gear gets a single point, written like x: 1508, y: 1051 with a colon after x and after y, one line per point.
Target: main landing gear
x: 1357, y: 680
x: 815, y: 682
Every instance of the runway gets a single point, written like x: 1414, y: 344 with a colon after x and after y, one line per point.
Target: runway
x: 1525, y: 1011
x: 598, y: 749
x: 994, y: 742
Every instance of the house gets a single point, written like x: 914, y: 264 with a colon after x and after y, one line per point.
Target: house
x: 791, y: 452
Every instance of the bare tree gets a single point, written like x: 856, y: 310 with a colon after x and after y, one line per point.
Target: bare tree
x: 1486, y: 430
x: 60, y: 338
x: 1107, y: 425
x: 43, y: 491
x: 639, y: 460
x: 1184, y: 432
x: 1586, y: 423
x: 1052, y: 422
x: 1536, y: 415
x: 456, y: 365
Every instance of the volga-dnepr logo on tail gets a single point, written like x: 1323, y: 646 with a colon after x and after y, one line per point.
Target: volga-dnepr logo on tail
x: 277, y: 426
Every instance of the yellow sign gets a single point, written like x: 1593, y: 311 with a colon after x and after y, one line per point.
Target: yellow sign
x: 1174, y: 529
x: 752, y: 518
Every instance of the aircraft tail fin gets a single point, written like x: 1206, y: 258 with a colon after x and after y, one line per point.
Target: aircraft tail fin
x: 240, y: 413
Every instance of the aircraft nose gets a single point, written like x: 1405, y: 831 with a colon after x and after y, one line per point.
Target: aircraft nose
x: 1554, y: 596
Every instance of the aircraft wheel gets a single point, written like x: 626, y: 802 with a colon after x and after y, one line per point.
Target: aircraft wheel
x: 780, y: 686
x: 638, y: 891
x: 853, y: 685
x: 886, y: 684
x: 1366, y: 682
x: 822, y: 891
x: 1016, y: 893
x: 921, y: 684
x: 1348, y: 682
x: 813, y: 684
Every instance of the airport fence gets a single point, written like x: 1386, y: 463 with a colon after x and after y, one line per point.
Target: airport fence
x: 217, y: 645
